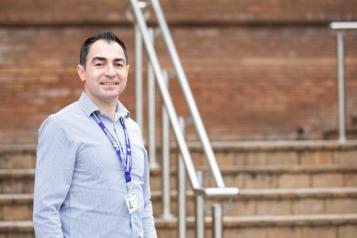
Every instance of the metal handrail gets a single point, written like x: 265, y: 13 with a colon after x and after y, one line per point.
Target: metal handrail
x: 187, y: 93
x: 216, y: 192
x: 141, y: 23
x: 349, y: 25
x: 341, y: 75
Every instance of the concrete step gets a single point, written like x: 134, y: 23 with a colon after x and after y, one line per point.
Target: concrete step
x: 15, y: 207
x: 250, y: 202
x: 16, y: 226
x: 228, y: 153
x: 273, y: 176
x: 311, y: 226
x: 17, y: 156
x: 17, y: 180
x: 297, y: 226
x: 275, y: 202
x: 279, y: 153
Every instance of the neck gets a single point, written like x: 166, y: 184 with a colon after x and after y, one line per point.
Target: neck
x: 108, y: 107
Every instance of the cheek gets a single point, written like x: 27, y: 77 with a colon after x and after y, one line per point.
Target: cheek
x: 93, y: 77
x: 124, y: 77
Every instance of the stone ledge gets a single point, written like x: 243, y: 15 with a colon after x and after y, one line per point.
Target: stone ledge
x: 16, y: 226
x: 298, y: 193
x: 233, y: 145
x: 294, y: 169
x: 17, y: 148
x: 6, y: 199
x: 225, y: 170
x: 17, y: 173
x: 228, y: 222
x: 264, y: 221
x: 278, y: 145
x: 271, y: 169
x: 294, y: 193
x: 257, y: 194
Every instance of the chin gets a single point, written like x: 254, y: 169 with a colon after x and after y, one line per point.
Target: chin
x: 112, y: 97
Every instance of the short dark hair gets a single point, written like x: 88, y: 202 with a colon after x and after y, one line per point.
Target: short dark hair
x: 107, y: 36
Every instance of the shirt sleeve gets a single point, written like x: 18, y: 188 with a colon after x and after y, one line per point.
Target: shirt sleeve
x: 148, y: 219
x: 54, y: 170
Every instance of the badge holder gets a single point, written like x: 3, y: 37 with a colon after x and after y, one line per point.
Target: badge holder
x: 131, y: 202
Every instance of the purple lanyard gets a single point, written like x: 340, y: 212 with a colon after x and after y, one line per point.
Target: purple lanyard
x: 127, y: 164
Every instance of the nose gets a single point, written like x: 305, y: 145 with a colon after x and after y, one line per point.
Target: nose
x: 110, y: 71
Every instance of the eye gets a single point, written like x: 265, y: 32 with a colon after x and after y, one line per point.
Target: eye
x: 98, y: 64
x: 119, y: 65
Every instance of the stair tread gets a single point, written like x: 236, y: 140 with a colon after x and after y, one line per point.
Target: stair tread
x: 16, y: 223
x: 230, y: 221
x: 300, y: 192
x: 290, y: 168
x: 227, y: 169
x: 17, y: 173
x: 273, y: 145
x: 291, y: 192
x: 272, y: 220
x: 244, y: 193
x: 274, y: 169
x: 236, y: 144
x: 16, y: 226
x: 16, y: 196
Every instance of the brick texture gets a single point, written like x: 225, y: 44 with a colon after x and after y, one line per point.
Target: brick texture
x: 263, y: 82
x: 178, y: 11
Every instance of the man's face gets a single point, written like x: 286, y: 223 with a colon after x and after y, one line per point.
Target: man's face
x: 105, y: 73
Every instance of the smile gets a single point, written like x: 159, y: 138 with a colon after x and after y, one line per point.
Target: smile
x: 109, y: 83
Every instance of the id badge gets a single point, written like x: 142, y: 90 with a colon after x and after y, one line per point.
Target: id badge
x: 131, y: 202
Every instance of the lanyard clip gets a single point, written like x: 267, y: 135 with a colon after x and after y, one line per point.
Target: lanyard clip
x: 127, y: 177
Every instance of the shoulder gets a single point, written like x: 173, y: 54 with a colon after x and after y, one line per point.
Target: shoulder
x: 132, y: 124
x: 134, y: 130
x: 60, y: 120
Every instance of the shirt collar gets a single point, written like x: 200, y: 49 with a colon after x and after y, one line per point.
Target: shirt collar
x: 89, y: 107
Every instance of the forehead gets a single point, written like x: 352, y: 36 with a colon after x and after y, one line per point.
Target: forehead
x: 105, y: 49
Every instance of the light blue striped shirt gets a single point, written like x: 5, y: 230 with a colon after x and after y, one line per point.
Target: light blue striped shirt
x: 79, y: 184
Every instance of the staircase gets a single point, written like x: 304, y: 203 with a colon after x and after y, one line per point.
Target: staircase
x: 303, y: 190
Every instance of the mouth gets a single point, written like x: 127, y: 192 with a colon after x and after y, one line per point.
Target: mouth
x: 109, y: 83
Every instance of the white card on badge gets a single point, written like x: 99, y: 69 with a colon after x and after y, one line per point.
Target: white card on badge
x: 131, y: 202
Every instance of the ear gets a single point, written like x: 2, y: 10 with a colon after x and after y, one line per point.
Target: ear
x: 127, y: 70
x: 81, y: 72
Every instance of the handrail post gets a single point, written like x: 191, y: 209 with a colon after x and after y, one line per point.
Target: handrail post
x: 166, y: 213
x: 138, y: 78
x: 341, y: 87
x: 200, y: 210
x: 151, y: 110
x: 217, y: 221
x: 342, y: 138
x: 181, y: 186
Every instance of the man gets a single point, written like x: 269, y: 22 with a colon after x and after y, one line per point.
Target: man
x: 92, y: 175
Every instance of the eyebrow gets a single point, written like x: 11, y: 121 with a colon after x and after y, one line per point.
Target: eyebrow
x: 104, y: 59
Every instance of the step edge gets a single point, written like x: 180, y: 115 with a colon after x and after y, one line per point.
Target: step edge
x: 230, y: 221
x: 280, y: 193
x: 276, y: 221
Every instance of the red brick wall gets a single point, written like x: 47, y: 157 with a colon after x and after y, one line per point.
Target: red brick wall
x: 255, y: 72
x: 184, y: 11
